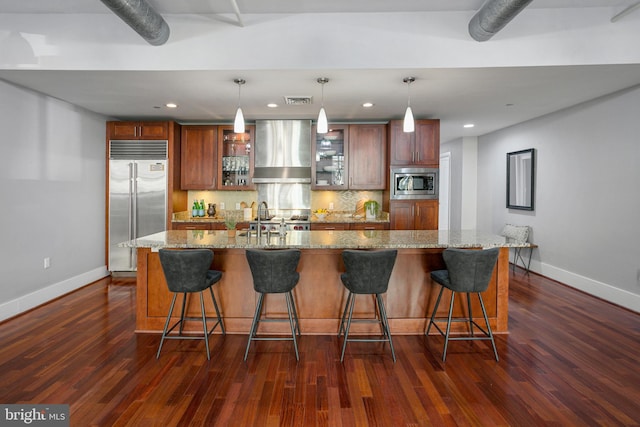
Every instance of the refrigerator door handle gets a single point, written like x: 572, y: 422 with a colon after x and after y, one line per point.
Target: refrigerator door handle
x: 134, y: 211
x: 130, y: 204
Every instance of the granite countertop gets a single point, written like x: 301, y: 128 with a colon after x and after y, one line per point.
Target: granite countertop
x: 333, y: 217
x: 360, y: 239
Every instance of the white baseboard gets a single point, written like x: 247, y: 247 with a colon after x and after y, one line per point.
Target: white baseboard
x: 41, y: 296
x: 593, y: 287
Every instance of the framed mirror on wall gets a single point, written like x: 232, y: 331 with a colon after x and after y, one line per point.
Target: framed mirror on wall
x: 521, y: 179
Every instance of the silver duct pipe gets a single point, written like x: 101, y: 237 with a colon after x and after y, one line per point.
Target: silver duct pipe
x: 140, y: 16
x: 493, y: 16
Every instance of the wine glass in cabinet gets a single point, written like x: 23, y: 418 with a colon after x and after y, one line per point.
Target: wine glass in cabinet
x: 236, y: 160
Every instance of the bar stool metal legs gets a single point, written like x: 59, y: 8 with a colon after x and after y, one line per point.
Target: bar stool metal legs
x: 187, y: 272
x: 468, y: 271
x: 292, y: 318
x: 380, y: 316
x: 274, y: 272
x: 367, y: 273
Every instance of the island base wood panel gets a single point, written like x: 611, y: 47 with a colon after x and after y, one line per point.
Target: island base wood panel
x: 320, y: 295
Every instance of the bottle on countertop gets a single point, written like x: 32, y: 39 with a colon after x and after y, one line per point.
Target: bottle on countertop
x: 194, y: 208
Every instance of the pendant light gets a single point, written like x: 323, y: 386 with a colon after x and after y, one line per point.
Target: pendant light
x: 238, y: 123
x: 323, y: 124
x: 408, y: 125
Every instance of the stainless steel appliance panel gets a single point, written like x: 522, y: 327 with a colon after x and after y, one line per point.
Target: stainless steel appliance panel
x: 413, y: 183
x: 137, y: 206
x: 120, y: 208
x: 282, y: 151
x: 285, y: 195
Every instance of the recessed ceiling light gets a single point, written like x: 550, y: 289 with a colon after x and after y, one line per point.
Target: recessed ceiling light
x: 367, y: 104
x: 272, y: 105
x: 171, y: 105
x: 469, y: 125
x: 509, y: 105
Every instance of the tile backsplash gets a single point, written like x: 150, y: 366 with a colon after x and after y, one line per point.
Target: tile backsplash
x: 342, y: 200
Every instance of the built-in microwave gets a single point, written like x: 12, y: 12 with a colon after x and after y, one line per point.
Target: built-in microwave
x: 414, y: 183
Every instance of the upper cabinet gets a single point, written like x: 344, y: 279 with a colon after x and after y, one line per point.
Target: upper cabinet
x: 349, y: 157
x: 328, y: 152
x: 367, y: 157
x: 138, y: 130
x: 236, y: 158
x: 421, y: 147
x: 198, y: 158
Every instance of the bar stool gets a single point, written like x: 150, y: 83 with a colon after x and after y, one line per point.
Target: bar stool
x: 274, y: 272
x: 367, y: 273
x: 186, y: 272
x: 468, y: 271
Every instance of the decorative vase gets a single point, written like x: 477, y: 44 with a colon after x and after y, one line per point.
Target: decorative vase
x: 231, y: 232
x: 212, y: 210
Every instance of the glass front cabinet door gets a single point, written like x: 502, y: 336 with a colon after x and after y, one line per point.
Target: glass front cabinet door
x: 235, y: 167
x: 328, y: 165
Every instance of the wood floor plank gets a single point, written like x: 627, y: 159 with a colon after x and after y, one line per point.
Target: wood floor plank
x: 569, y: 359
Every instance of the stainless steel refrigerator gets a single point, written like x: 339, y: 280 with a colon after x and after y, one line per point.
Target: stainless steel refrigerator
x: 137, y: 196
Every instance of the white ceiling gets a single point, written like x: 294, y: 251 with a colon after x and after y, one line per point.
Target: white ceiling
x: 492, y: 97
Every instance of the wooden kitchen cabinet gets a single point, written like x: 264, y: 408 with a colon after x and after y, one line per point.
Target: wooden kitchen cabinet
x: 192, y: 225
x: 413, y: 214
x: 350, y: 157
x: 369, y: 226
x: 199, y: 158
x: 367, y: 157
x: 138, y: 130
x: 419, y: 148
x: 329, y: 226
x: 236, y: 158
x: 329, y: 170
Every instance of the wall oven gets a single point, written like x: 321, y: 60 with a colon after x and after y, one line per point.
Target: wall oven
x: 414, y: 183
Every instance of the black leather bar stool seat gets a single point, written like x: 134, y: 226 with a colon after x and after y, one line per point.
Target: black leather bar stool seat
x: 274, y: 272
x: 367, y: 273
x: 468, y: 271
x: 187, y: 272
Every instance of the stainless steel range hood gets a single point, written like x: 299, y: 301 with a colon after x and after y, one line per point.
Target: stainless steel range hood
x: 282, y: 151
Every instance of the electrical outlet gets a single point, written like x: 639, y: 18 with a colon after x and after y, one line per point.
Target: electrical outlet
x: 47, y: 262
x: 331, y: 205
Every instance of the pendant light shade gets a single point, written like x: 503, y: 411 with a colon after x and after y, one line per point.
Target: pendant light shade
x: 408, y: 125
x: 238, y: 123
x: 323, y: 124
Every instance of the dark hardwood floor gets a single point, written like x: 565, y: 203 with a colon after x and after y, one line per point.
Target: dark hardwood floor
x: 569, y: 360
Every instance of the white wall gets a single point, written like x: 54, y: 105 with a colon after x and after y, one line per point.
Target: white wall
x: 52, y: 183
x: 587, y: 202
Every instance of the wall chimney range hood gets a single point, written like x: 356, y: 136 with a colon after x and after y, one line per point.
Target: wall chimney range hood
x: 282, y: 151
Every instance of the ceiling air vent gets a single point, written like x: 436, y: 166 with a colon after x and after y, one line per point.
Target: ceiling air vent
x: 298, y: 100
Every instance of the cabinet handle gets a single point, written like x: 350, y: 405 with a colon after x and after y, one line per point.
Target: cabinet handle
x: 413, y: 156
x: 417, y: 156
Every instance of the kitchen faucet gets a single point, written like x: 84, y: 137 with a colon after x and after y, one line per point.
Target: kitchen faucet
x: 266, y: 215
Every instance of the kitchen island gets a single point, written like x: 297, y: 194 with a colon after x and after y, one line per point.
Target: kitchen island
x: 320, y: 295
